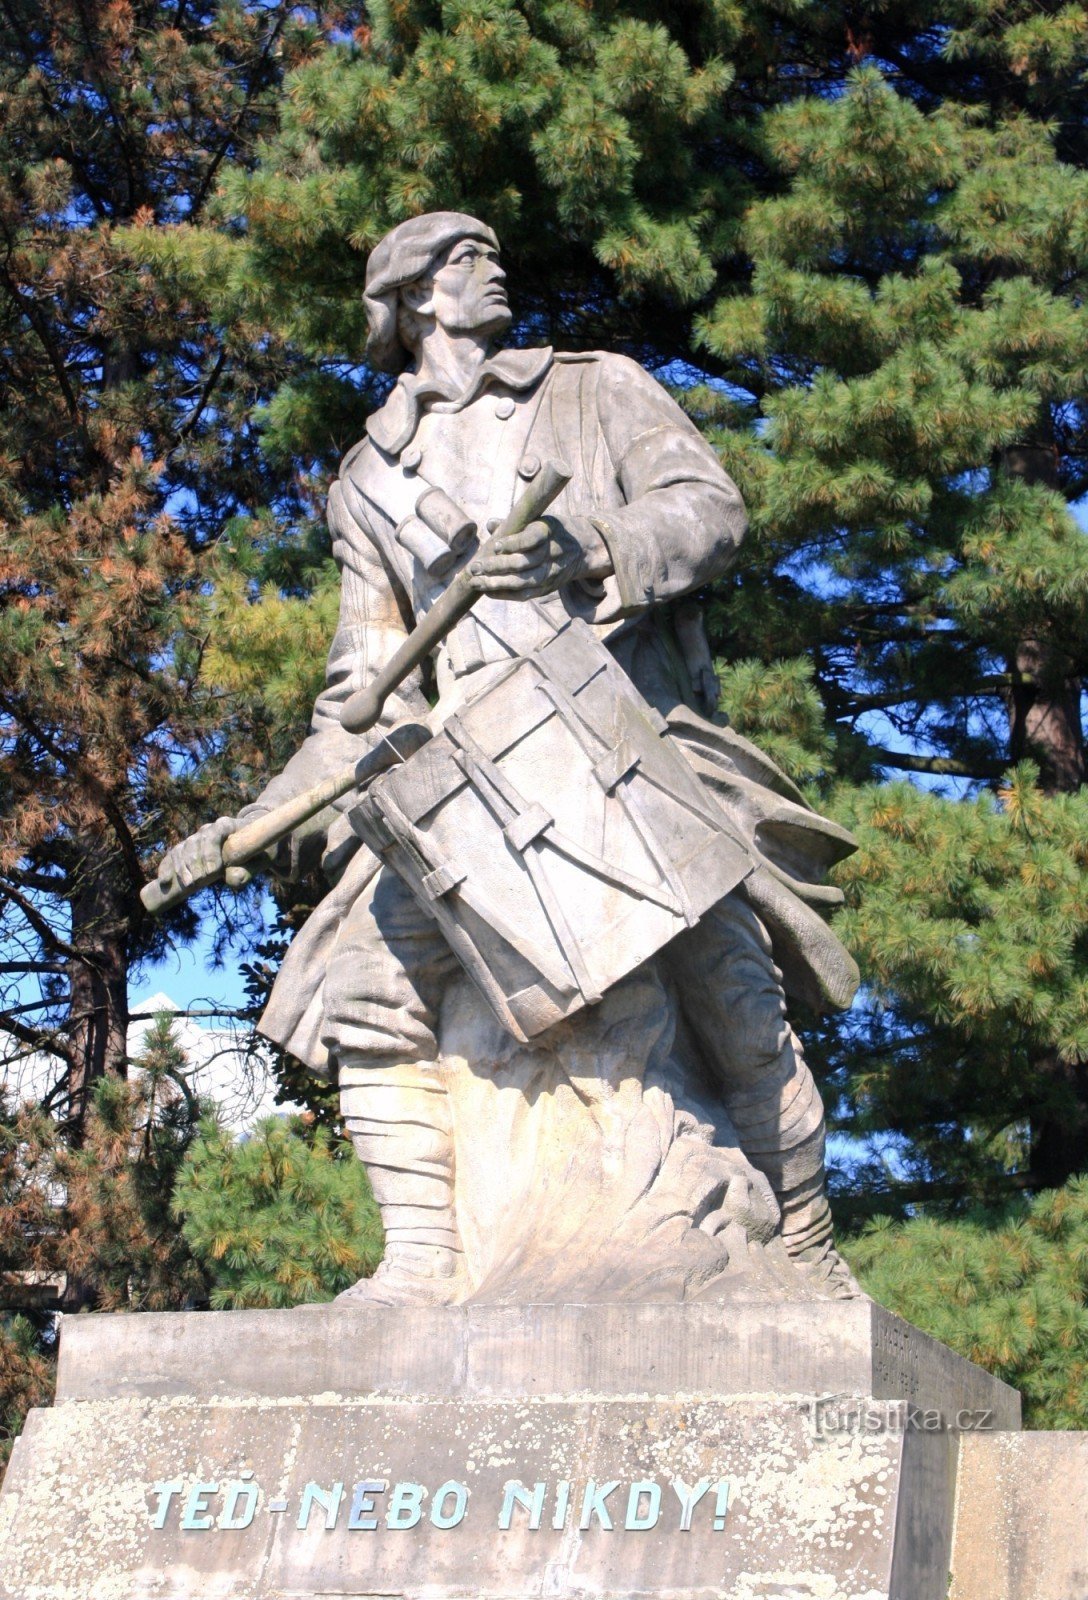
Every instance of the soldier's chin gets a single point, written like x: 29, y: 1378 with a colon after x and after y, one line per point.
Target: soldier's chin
x: 496, y: 319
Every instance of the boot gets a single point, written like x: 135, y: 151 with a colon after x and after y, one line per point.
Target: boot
x: 399, y: 1122
x: 807, y: 1236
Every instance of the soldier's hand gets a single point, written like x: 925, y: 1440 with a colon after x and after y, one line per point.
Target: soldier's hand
x: 201, y: 857
x: 547, y: 555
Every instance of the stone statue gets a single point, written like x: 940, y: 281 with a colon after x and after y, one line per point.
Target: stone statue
x: 550, y: 972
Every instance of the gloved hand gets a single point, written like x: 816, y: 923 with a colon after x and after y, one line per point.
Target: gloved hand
x: 201, y: 856
x: 546, y: 556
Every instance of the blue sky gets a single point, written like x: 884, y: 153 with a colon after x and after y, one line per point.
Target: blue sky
x: 189, y: 976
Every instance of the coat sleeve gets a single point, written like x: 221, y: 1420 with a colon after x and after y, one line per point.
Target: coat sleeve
x: 684, y: 519
x: 370, y: 628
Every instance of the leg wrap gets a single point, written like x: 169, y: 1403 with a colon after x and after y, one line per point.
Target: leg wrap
x: 780, y: 1125
x: 806, y: 1216
x: 399, y: 1121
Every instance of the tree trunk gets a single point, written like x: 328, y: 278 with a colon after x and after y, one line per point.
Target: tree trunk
x: 1045, y: 724
x: 1044, y: 703
x: 1044, y: 716
x: 98, y: 1014
x: 1059, y: 1133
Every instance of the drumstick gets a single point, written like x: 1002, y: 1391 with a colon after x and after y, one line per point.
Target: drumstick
x: 402, y: 740
x: 364, y: 707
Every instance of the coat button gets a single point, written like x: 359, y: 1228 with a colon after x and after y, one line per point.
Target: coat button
x: 504, y: 408
x: 529, y: 466
x: 410, y: 457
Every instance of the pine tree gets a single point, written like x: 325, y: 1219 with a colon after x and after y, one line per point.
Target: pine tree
x: 26, y: 1378
x: 909, y: 361
x: 1006, y: 1287
x: 127, y: 445
x: 589, y: 135
x: 28, y: 1198
x: 856, y: 243
x: 282, y: 1217
x: 116, y: 1233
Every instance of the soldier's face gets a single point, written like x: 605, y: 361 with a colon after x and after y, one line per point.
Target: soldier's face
x: 468, y: 289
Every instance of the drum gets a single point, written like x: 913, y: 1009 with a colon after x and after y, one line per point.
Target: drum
x: 555, y: 835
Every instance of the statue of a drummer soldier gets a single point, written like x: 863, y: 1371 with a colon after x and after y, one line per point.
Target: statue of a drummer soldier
x: 648, y: 517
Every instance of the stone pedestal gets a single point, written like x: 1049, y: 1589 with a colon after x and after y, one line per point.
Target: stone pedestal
x: 1021, y: 1517
x: 758, y: 1452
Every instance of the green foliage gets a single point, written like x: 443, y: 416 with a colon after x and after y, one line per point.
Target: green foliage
x: 778, y: 703
x: 986, y: 900
x: 27, y: 1377
x: 91, y: 1224
x: 98, y: 1213
x: 582, y: 132
x: 28, y: 1263
x: 1006, y: 1287
x: 906, y: 419
x: 271, y: 651
x: 284, y: 1216
x: 279, y: 1218
x: 858, y: 244
x: 28, y: 1142
x: 893, y: 372
x: 969, y: 919
x: 860, y: 251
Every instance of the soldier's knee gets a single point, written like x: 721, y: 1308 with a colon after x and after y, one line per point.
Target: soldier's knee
x: 731, y: 992
x: 757, y: 1049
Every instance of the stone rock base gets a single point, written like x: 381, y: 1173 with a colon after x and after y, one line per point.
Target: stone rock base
x: 773, y: 1452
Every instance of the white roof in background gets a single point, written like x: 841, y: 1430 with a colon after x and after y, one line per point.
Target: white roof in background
x: 157, y: 1002
x: 226, y: 1064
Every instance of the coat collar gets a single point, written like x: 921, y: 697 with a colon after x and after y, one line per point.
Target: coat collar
x: 393, y: 426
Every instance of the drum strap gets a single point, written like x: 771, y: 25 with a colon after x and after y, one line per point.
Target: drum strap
x: 595, y: 747
x: 522, y: 826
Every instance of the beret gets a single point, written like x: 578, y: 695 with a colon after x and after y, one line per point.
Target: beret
x: 408, y: 249
x: 401, y: 257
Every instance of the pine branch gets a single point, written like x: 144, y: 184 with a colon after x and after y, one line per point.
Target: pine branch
x: 32, y: 1005
x: 71, y: 150
x: 206, y: 393
x: 938, y: 766
x: 205, y: 187
x: 995, y: 683
x: 32, y: 311
x: 41, y: 927
x: 136, y: 189
x: 44, y: 1039
x: 76, y: 762
x: 43, y: 882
